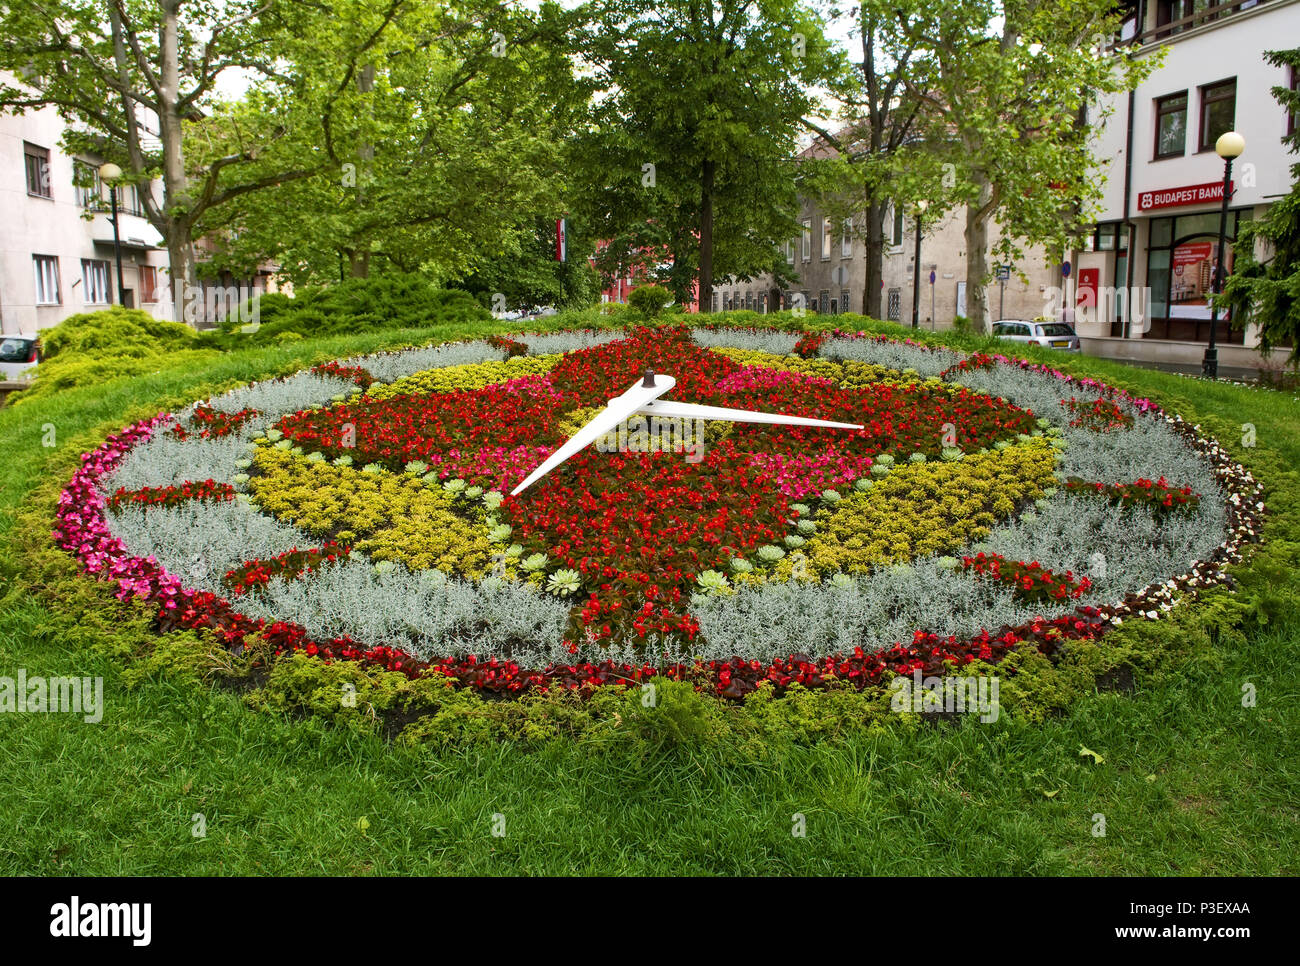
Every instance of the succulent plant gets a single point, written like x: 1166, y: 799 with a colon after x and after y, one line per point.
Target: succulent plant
x: 564, y: 582
x: 713, y: 582
x: 533, y: 562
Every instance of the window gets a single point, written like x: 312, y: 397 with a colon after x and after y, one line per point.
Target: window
x: 47, y: 280
x: 146, y: 291
x: 1218, y: 112
x: 807, y: 240
x: 1171, y: 125
x: 85, y: 183
x: 94, y: 279
x: 789, y: 253
x: 896, y: 237
x: 844, y: 300
x: 38, y: 170
x: 824, y: 300
x: 846, y: 239
x: 826, y: 238
x: 894, y: 304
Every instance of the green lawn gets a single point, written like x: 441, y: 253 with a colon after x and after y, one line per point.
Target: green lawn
x: 1190, y: 781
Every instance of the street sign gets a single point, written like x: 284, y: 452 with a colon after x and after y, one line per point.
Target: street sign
x: 1001, y: 272
x: 1065, y: 269
x: 931, y: 276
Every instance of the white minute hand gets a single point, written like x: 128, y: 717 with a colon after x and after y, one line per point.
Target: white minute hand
x: 680, y: 410
x: 650, y: 388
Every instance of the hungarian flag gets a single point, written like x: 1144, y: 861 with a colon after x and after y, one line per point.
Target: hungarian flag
x: 561, y: 241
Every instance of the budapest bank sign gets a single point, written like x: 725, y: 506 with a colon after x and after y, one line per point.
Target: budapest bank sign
x: 1192, y: 194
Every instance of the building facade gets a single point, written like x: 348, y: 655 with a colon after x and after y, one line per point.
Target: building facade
x: 1144, y: 274
x: 57, y: 254
x: 56, y: 237
x: 828, y: 260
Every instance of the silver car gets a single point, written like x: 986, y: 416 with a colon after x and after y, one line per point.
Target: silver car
x: 18, y: 356
x: 1053, y: 335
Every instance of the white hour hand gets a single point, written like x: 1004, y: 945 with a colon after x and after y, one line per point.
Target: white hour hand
x: 650, y: 388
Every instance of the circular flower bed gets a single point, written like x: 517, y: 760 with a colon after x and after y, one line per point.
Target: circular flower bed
x: 359, y: 511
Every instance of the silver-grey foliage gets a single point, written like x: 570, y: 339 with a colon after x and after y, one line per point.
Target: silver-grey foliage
x: 389, y: 366
x: 164, y: 460
x: 892, y: 355
x: 1119, y: 551
x: 426, y: 614
x: 1151, y: 448
x: 874, y: 612
x: 200, y: 541
x: 548, y: 343
x: 762, y: 340
x: 276, y: 397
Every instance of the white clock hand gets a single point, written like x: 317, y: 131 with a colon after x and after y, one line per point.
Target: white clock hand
x: 680, y: 410
x: 650, y: 388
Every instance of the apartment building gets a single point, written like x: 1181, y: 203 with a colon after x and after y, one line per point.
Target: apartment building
x: 829, y: 261
x: 56, y: 236
x: 57, y: 255
x: 1145, y: 272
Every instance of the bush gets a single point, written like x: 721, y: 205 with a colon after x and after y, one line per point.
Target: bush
x: 649, y: 300
x: 93, y: 347
x: 115, y: 333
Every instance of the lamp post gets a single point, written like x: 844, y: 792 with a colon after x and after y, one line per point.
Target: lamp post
x: 916, y: 265
x: 1229, y: 147
x: 111, y: 173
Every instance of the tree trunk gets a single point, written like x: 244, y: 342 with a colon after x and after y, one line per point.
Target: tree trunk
x: 874, y: 243
x: 176, y: 193
x: 977, y: 263
x: 705, y: 295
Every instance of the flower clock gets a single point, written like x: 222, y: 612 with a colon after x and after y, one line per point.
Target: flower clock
x: 730, y: 506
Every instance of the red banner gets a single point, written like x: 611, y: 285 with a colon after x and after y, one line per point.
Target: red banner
x: 1192, y: 194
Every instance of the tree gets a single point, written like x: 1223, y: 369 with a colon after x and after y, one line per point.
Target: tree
x: 877, y: 162
x: 689, y: 158
x: 138, y: 80
x: 1006, y: 86
x: 448, y: 160
x: 1266, y: 291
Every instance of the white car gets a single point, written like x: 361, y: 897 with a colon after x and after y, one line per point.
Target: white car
x: 19, y: 355
x: 1053, y: 335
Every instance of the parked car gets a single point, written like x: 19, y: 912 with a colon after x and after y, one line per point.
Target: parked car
x: 1054, y: 335
x: 18, y: 356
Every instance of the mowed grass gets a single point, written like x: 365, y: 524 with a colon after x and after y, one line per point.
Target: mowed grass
x: 1190, y: 781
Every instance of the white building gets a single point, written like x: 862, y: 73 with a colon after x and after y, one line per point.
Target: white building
x: 1157, y: 237
x: 56, y: 233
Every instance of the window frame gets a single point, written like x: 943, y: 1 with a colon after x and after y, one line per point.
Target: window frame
x: 1205, y: 103
x: 828, y: 235
x: 41, y: 157
x: 846, y: 239
x: 897, y: 231
x: 88, y: 267
x: 1160, y: 114
x: 806, y: 251
x: 39, y: 278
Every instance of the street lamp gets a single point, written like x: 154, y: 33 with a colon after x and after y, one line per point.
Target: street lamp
x: 1229, y: 147
x: 111, y: 173
x: 916, y: 265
